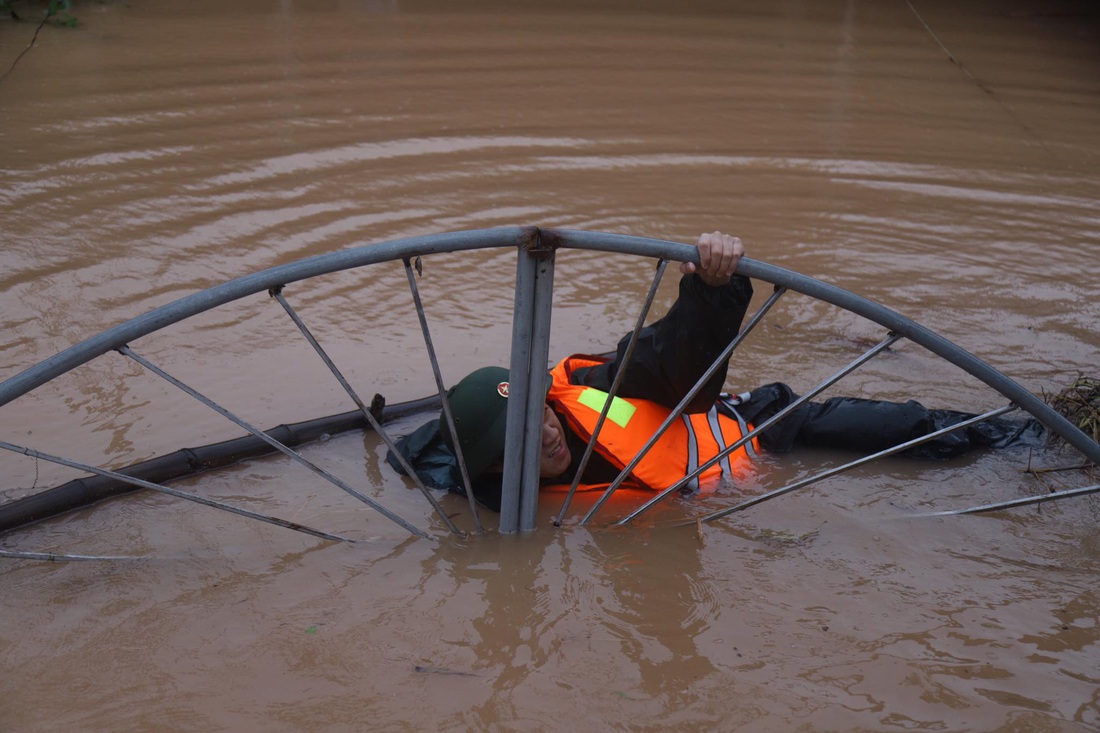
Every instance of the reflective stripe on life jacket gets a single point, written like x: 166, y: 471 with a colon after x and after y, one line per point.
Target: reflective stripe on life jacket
x: 631, y: 422
x: 729, y: 404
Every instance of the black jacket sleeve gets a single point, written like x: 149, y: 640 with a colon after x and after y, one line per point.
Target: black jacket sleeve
x: 675, y: 351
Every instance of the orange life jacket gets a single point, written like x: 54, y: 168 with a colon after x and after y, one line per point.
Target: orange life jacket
x: 688, y: 442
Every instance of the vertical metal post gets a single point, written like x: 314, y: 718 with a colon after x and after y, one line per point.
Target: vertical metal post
x: 537, y: 384
x: 514, y: 442
x: 527, y: 384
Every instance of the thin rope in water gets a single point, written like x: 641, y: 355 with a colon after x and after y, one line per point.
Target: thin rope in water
x: 954, y: 59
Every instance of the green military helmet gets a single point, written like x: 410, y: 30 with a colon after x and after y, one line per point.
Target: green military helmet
x: 479, y: 404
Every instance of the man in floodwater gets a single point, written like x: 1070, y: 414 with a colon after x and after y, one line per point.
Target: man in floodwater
x: 670, y: 356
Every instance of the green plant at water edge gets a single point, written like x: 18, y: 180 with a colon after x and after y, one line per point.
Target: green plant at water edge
x: 59, y: 9
x: 56, y: 12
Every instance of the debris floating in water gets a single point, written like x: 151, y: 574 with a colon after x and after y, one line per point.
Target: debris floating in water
x: 1080, y: 404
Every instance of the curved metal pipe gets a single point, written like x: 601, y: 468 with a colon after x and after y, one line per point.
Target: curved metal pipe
x: 849, y: 301
x: 257, y: 282
x: 196, y: 303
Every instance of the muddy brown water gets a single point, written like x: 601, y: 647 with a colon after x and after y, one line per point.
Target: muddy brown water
x: 162, y: 147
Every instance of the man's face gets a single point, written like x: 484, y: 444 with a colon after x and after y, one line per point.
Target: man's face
x: 555, y: 453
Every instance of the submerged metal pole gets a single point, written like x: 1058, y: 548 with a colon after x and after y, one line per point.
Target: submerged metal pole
x: 293, y: 454
x: 173, y: 492
x: 852, y: 464
x: 1082, y: 491
x: 62, y: 557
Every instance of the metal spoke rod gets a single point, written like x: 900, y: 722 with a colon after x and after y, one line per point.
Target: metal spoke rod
x: 59, y: 556
x: 675, y: 414
x: 442, y: 389
x: 173, y: 492
x: 847, y: 466
x: 627, y: 355
x: 863, y: 359
x: 1082, y: 491
x: 374, y: 423
x: 126, y: 351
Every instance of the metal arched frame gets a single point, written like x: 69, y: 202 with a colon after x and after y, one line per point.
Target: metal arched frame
x: 531, y: 326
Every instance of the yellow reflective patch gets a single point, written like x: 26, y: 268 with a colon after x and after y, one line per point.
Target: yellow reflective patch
x: 620, y: 413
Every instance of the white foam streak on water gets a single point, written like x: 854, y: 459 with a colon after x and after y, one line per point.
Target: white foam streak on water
x: 358, y: 154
